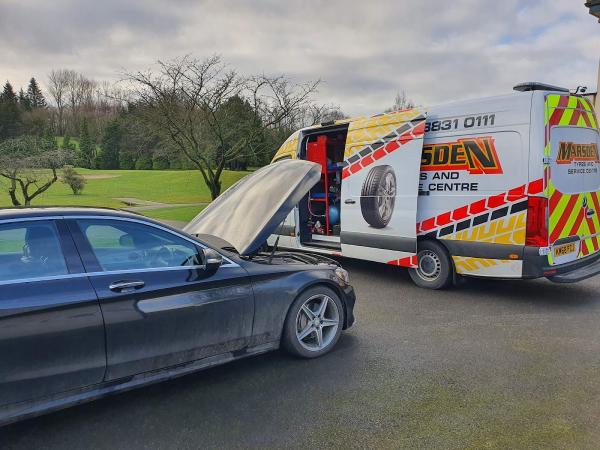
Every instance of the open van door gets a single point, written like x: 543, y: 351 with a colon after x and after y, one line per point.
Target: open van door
x: 572, y: 166
x: 380, y: 181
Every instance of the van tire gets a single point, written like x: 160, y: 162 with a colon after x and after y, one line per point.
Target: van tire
x: 435, y: 269
x: 378, y: 196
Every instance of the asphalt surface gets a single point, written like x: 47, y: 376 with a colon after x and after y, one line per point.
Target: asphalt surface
x: 491, y: 364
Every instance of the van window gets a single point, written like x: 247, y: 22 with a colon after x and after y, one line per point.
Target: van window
x: 575, y: 163
x: 30, y: 250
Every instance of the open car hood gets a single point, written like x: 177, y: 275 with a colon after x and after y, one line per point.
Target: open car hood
x: 247, y: 213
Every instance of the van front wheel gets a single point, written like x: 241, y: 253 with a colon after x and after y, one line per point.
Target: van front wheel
x: 434, y: 269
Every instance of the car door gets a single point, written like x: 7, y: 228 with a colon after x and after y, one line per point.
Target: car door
x: 51, y: 328
x: 161, y: 308
x: 380, y: 183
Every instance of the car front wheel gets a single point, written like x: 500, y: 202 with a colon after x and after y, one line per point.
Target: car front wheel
x: 314, y: 323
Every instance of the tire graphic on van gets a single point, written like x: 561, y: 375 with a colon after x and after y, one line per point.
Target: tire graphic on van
x: 378, y: 196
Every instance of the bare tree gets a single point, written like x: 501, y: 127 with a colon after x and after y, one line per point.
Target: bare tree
x: 195, y: 105
x: 30, y: 165
x: 401, y: 101
x: 57, y: 87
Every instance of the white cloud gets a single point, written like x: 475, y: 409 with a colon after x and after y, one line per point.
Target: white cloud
x: 364, y: 51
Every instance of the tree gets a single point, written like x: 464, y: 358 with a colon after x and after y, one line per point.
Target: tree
x: 73, y: 179
x: 24, y: 100
x: 10, y: 116
x: 34, y: 95
x: 67, y: 144
x: 30, y: 165
x: 57, y: 87
x: 86, y: 146
x: 109, y: 149
x: 186, y: 102
x: 401, y: 101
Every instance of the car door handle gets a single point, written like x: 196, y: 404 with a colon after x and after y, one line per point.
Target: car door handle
x: 350, y: 202
x: 126, y: 286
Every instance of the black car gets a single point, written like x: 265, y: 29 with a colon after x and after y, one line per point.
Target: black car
x: 96, y: 301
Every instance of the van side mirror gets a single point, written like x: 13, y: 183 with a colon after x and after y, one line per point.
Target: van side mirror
x: 212, y: 259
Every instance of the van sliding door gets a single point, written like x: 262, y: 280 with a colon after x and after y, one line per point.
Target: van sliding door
x: 380, y: 186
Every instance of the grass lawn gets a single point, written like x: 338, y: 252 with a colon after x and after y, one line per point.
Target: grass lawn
x: 105, y: 187
x: 180, y: 213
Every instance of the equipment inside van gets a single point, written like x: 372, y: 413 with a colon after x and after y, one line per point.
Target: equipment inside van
x: 504, y: 187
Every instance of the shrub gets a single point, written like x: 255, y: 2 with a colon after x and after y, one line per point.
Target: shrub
x: 75, y: 181
x: 144, y: 162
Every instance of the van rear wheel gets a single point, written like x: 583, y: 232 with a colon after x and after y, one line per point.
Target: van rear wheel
x: 435, y: 267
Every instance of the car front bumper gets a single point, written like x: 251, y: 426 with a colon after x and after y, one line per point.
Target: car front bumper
x: 349, y: 298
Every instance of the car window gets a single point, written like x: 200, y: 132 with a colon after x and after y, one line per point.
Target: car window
x: 122, y: 245
x: 30, y: 250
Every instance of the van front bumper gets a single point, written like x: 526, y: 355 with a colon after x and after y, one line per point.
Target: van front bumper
x: 536, y: 266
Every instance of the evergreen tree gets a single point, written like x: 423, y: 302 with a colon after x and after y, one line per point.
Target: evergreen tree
x: 35, y: 96
x: 8, y: 94
x: 67, y: 144
x: 24, y: 100
x: 111, y: 142
x: 86, y: 146
x: 10, y: 116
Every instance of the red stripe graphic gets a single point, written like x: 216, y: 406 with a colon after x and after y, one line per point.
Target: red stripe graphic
x: 479, y: 207
x: 584, y: 113
x: 388, y: 148
x: 575, y: 117
x: 563, y: 219
x: 554, y: 199
x: 593, y: 231
x: 535, y: 187
x: 409, y: 261
x: 560, y: 109
x: 577, y: 223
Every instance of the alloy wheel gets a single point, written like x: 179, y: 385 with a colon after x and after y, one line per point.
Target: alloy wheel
x: 317, y: 322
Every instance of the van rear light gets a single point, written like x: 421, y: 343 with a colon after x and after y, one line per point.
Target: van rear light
x: 537, y: 224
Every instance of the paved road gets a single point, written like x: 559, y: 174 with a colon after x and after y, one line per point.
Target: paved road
x: 492, y: 364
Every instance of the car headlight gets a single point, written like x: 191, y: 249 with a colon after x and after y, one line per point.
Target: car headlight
x: 342, y: 275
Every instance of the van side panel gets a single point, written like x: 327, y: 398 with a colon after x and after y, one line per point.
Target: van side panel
x: 379, y: 187
x: 474, y: 181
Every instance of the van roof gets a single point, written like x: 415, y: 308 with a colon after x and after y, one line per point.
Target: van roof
x: 525, y: 91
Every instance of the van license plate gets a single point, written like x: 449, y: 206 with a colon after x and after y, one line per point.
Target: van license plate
x: 564, y: 249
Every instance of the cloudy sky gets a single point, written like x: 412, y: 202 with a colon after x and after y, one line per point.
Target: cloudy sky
x: 364, y: 51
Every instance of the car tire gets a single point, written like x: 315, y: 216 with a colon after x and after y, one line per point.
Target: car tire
x: 435, y: 269
x: 301, y: 336
x: 378, y: 196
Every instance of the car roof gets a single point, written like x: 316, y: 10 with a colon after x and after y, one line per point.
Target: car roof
x: 26, y: 213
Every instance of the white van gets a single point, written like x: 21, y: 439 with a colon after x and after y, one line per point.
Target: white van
x: 504, y: 187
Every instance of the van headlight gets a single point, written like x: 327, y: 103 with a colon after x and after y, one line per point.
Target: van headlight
x: 342, y: 276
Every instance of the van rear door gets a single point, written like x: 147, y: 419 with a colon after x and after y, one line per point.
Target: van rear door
x: 380, y: 182
x: 572, y: 168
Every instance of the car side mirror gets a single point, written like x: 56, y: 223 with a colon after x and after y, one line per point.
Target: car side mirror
x: 212, y: 259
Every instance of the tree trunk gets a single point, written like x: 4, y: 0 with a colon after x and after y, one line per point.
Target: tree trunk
x: 12, y: 192
x: 215, y: 188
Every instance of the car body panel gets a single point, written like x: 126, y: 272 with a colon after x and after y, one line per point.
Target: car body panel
x: 187, y: 319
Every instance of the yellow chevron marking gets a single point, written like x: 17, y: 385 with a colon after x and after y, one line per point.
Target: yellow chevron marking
x: 506, y: 230
x: 467, y: 264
